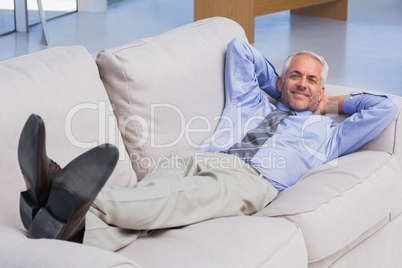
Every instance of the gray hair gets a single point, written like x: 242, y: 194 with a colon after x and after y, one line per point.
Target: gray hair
x: 325, y: 68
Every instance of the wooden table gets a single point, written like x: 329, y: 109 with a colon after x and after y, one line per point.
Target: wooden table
x: 244, y: 11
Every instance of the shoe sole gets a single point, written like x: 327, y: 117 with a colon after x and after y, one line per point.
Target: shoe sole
x: 29, y: 152
x: 74, y: 189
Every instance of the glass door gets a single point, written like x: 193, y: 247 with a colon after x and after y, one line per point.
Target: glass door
x: 52, y: 8
x: 7, y: 16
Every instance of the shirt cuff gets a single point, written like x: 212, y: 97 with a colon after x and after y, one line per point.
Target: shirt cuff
x: 352, y: 101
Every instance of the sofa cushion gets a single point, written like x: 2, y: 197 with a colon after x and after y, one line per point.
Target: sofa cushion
x: 241, y: 241
x: 380, y: 249
x: 20, y: 251
x: 62, y: 85
x: 168, y: 90
x: 342, y: 201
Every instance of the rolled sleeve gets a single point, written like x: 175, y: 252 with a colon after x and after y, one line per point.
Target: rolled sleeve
x: 356, y: 102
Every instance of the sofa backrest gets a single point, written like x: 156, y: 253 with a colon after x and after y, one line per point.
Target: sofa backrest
x: 168, y: 90
x: 62, y: 85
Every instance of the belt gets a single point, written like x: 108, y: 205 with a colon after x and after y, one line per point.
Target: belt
x: 256, y: 171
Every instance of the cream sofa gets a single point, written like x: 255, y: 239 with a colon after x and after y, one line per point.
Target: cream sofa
x: 167, y: 95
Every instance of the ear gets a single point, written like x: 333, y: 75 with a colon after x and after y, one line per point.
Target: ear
x: 322, y: 89
x: 279, y: 84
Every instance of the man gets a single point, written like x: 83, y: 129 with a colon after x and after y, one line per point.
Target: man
x: 251, y: 156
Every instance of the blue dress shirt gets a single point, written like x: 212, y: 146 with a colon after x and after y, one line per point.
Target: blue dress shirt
x: 301, y: 142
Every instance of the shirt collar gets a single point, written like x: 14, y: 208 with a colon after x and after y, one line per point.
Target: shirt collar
x: 280, y: 106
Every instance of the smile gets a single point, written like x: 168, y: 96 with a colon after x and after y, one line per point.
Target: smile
x: 299, y: 94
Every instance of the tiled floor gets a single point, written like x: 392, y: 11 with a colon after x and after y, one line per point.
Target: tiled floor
x: 363, y: 52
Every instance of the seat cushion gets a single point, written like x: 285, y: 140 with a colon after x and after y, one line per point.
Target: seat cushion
x: 63, y: 86
x: 168, y: 90
x: 242, y: 241
x: 342, y: 202
x: 20, y: 251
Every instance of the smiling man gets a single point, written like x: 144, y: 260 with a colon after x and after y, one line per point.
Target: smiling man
x: 257, y: 150
x: 304, y: 140
x: 301, y: 84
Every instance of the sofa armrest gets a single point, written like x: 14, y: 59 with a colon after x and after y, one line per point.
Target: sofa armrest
x: 390, y: 140
x: 16, y: 250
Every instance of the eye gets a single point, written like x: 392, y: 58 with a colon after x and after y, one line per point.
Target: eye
x: 313, y: 80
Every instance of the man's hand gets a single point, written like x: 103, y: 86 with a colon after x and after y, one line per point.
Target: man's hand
x: 330, y: 104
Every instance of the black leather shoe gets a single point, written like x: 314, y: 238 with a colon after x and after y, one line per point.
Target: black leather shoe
x: 74, y: 189
x: 38, y: 170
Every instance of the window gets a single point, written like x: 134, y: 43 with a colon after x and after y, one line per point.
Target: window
x: 52, y: 8
x: 7, y: 17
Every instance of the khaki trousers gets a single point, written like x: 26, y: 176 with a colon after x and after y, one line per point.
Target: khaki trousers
x: 187, y: 188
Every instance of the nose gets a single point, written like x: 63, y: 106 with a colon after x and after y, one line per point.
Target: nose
x: 303, y: 83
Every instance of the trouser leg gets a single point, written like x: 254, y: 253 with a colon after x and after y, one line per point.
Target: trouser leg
x: 194, y: 187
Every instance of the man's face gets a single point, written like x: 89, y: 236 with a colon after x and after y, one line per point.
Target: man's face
x: 301, y: 88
